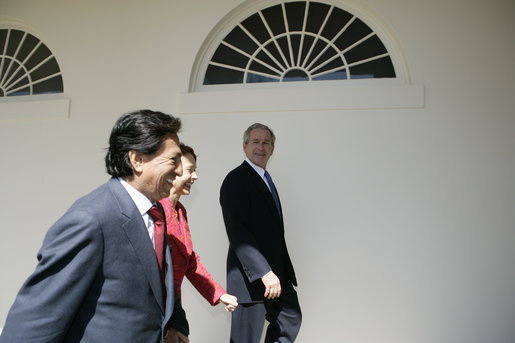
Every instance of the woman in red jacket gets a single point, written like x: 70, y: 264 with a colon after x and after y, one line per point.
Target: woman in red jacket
x: 185, y: 261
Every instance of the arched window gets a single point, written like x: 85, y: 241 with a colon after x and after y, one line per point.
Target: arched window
x: 299, y: 41
x: 299, y: 55
x: 27, y: 66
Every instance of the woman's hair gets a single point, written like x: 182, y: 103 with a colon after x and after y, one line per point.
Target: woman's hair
x: 186, y: 149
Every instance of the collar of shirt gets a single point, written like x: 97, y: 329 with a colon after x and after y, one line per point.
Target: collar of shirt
x: 143, y: 205
x: 259, y: 170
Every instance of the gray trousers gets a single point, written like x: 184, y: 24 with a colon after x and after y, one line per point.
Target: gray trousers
x: 283, y: 314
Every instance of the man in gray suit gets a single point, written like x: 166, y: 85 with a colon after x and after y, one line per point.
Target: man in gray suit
x: 97, y: 277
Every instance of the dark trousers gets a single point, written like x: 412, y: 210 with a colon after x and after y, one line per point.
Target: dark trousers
x: 283, y: 315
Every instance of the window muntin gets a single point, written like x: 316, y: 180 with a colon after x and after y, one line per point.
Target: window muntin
x: 27, y: 66
x: 299, y: 41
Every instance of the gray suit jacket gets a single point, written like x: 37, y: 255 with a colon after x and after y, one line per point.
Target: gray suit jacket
x: 96, y: 280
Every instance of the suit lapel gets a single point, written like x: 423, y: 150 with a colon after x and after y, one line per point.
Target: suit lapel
x: 135, y: 230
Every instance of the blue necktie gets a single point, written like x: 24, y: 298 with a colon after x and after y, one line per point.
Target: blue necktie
x: 273, y: 191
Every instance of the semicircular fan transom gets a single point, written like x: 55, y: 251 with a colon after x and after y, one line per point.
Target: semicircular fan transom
x: 299, y: 41
x: 27, y: 66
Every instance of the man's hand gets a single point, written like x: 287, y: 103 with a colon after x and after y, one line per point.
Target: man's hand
x: 174, y: 336
x: 272, y: 285
x: 230, y: 302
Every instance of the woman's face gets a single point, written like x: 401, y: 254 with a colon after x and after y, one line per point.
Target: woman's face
x: 182, y: 184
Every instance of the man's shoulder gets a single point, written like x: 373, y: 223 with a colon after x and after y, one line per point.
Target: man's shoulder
x: 88, y: 212
x: 100, y: 199
x: 239, y: 172
x: 243, y: 169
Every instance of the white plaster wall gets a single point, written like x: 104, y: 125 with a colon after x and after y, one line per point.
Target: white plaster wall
x: 400, y: 223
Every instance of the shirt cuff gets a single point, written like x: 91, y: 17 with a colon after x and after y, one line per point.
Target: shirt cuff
x: 266, y: 274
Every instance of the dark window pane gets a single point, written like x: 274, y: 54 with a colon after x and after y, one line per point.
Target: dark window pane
x: 18, y: 83
x: 319, y: 46
x: 306, y: 45
x: 283, y: 45
x: 28, y: 45
x: 226, y: 55
x: 338, y: 75
x: 295, y: 44
x: 262, y: 56
x: 336, y: 63
x: 50, y: 67
x: 328, y: 55
x: 255, y: 66
x: 380, y: 68
x: 254, y: 78
x: 14, y: 42
x: 255, y: 25
x: 274, y: 18
x: 53, y: 85
x: 356, y: 31
x: 24, y: 91
x: 316, y: 15
x: 369, y: 48
x: 41, y: 53
x: 336, y: 22
x: 9, y: 68
x: 5, y: 66
x: 295, y: 15
x: 217, y: 75
x: 3, y: 37
x: 18, y: 73
x: 241, y: 40
x: 271, y: 47
x: 296, y: 75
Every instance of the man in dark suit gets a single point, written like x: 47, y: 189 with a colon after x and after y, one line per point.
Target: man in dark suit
x: 98, y: 278
x: 259, y: 270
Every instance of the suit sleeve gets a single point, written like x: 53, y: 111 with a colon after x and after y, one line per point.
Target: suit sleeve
x: 68, y: 262
x: 236, y: 209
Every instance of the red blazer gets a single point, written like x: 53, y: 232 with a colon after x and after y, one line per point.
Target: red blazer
x: 185, y: 261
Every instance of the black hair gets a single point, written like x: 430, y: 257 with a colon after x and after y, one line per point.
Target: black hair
x: 143, y: 131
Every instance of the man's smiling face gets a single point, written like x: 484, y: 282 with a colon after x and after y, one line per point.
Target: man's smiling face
x: 259, y: 148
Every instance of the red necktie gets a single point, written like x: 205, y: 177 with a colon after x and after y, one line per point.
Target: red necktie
x: 159, y: 239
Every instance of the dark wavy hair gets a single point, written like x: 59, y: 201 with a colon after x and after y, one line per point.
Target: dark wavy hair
x: 143, y: 131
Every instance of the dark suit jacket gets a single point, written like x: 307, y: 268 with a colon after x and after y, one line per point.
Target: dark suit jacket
x: 256, y: 235
x: 96, y: 280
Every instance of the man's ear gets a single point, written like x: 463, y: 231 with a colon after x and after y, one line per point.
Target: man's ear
x: 136, y: 159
